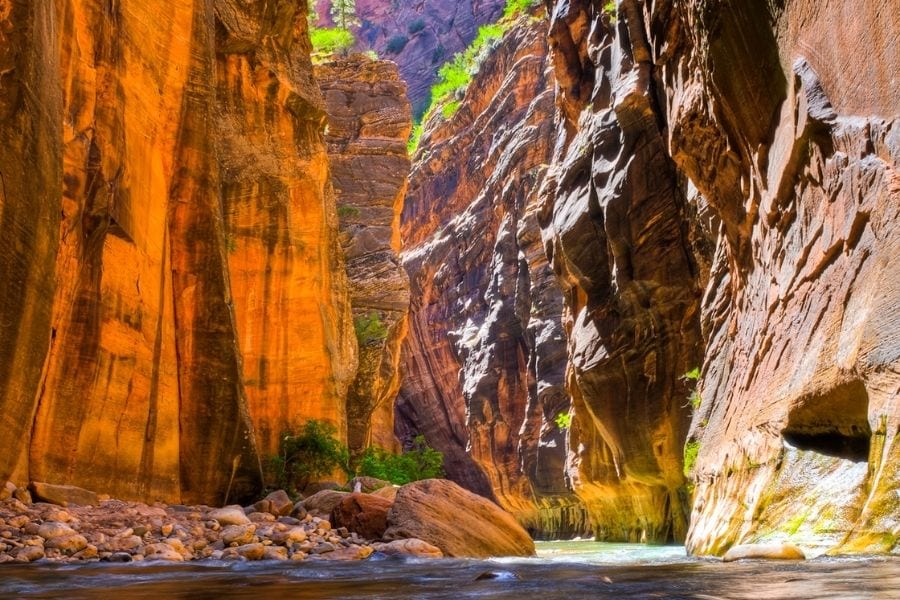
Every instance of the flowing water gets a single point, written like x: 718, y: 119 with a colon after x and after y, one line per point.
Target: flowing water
x: 563, y: 570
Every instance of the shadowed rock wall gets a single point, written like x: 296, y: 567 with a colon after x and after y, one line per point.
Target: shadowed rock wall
x: 484, y: 361
x: 369, y: 122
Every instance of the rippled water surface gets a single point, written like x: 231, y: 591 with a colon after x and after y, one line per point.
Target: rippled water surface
x: 563, y: 570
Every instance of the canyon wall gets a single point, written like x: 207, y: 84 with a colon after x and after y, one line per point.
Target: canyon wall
x: 169, y: 239
x: 419, y: 36
x: 485, y: 358
x: 369, y: 123
x: 781, y: 131
x: 614, y: 217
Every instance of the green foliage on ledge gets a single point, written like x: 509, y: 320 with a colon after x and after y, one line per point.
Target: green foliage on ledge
x: 691, y: 450
x: 369, y: 328
x: 420, y: 462
x: 456, y: 74
x: 330, y: 40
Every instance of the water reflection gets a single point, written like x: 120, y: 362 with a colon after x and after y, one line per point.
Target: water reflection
x: 564, y: 570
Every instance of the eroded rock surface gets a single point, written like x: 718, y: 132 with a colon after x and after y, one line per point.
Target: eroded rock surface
x: 369, y: 122
x: 169, y: 240
x: 485, y: 357
x: 614, y: 217
x: 783, y: 134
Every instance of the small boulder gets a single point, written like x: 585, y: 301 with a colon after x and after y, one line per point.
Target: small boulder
x: 460, y: 523
x: 322, y: 503
x: 53, y: 529
x: 318, y: 486
x: 29, y: 554
x: 7, y: 491
x: 22, y: 495
x: 275, y: 553
x: 764, y: 551
x: 68, y: 544
x: 251, y: 551
x: 409, y: 547
x: 277, y: 503
x: 163, y: 552
x: 363, y: 514
x: 353, y: 552
x: 299, y: 511
x: 239, y: 534
x: 62, y: 495
x: 230, y: 515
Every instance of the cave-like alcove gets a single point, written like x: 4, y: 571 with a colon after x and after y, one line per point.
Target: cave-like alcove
x: 834, y: 423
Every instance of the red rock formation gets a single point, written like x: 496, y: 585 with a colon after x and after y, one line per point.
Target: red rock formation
x: 369, y: 122
x: 792, y: 168
x: 614, y: 216
x: 427, y: 33
x: 168, y: 236
x: 485, y: 356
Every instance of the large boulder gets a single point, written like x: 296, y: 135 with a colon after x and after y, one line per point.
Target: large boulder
x: 363, y: 513
x: 277, y: 503
x: 322, y: 503
x: 455, y: 520
x: 62, y: 495
x: 409, y: 547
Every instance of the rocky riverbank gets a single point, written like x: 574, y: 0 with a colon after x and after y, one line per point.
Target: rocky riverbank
x: 328, y: 525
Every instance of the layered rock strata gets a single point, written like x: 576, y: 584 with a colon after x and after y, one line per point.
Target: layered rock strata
x: 614, y: 217
x: 169, y: 239
x: 484, y: 361
x: 369, y: 122
x: 419, y: 36
x: 784, y: 135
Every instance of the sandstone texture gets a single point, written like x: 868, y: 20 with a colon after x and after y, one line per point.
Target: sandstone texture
x: 613, y: 214
x: 369, y: 123
x: 364, y: 514
x: 749, y: 152
x: 419, y: 36
x: 175, y: 292
x: 484, y: 361
x: 458, y: 522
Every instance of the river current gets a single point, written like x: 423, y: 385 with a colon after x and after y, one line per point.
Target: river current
x: 562, y: 570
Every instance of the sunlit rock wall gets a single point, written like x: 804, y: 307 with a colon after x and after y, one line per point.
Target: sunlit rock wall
x: 782, y: 129
x: 169, y: 240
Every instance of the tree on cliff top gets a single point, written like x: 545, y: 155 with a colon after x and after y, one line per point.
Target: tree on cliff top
x: 344, y: 13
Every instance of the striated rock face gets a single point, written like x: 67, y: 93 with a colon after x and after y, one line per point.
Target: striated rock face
x: 369, y: 122
x: 798, y: 428
x: 418, y: 35
x: 169, y: 237
x: 783, y: 134
x: 613, y: 213
x: 484, y: 361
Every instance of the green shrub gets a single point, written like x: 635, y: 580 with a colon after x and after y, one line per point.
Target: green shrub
x: 514, y: 8
x: 371, y: 54
x: 692, y: 375
x: 331, y: 40
x: 307, y: 455
x: 449, y: 109
x: 420, y: 462
x: 396, y: 44
x: 369, y: 328
x: 563, y: 420
x: 347, y: 212
x: 416, y: 26
x: 691, y: 449
x: 415, y: 137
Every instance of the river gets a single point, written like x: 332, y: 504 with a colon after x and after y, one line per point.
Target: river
x: 562, y: 570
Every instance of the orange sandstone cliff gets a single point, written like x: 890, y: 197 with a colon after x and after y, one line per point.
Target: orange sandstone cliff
x: 175, y: 292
